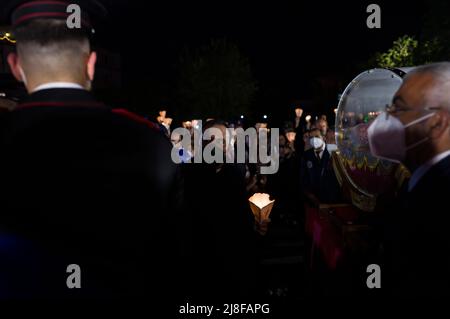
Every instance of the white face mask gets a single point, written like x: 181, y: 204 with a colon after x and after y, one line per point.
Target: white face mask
x: 387, y: 137
x: 316, y: 142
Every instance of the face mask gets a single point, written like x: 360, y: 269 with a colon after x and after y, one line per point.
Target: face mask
x: 387, y: 137
x: 316, y: 142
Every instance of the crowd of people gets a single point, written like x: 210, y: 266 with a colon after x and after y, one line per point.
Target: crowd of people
x: 97, y: 187
x: 298, y: 140
x: 223, y: 231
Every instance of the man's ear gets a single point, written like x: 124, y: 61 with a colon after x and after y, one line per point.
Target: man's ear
x: 14, y: 64
x: 92, y: 60
x: 439, y: 124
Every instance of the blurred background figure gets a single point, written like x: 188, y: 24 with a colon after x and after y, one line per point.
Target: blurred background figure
x: 306, y: 140
x: 325, y: 131
x: 221, y: 223
x: 184, y: 154
x: 308, y: 125
x: 317, y: 175
x: 161, y: 116
x: 296, y: 129
x: 164, y: 122
x: 7, y: 104
x: 187, y: 125
x: 167, y: 122
x: 298, y: 120
x: 289, y: 140
x: 290, y: 136
x: 284, y: 186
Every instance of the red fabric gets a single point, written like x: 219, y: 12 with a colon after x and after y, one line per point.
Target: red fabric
x: 345, y: 214
x: 45, y: 15
x: 34, y: 3
x: 136, y: 118
x: 325, y: 237
x: 40, y: 15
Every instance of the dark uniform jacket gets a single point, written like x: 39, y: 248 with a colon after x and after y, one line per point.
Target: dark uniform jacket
x: 83, y: 184
x: 318, y: 177
x: 222, y: 239
x: 418, y: 246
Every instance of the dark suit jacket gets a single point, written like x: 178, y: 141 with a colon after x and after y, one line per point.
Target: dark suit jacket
x: 418, y: 250
x: 86, y: 185
x: 299, y: 143
x: 221, y: 233
x: 318, y: 177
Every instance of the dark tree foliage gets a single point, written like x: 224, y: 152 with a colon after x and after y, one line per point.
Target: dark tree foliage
x: 215, y: 81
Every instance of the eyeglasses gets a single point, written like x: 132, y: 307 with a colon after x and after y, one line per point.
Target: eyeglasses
x: 394, y: 109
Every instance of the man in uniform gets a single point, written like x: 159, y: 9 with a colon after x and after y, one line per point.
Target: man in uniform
x: 80, y: 175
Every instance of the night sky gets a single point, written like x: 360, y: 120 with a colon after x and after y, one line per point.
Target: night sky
x: 289, y: 44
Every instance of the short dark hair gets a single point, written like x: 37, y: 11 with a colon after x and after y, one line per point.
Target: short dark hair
x: 50, y: 41
x: 314, y: 129
x: 48, y: 31
x: 289, y: 130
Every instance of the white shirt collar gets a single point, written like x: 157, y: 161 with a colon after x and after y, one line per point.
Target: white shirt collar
x: 321, y: 151
x: 422, y: 170
x: 58, y: 85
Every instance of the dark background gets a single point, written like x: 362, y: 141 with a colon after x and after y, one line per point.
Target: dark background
x: 291, y: 46
x: 300, y: 52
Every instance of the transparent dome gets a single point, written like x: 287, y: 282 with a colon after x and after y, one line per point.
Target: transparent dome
x: 363, y: 99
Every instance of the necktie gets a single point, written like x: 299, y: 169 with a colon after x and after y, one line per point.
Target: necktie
x: 318, y: 155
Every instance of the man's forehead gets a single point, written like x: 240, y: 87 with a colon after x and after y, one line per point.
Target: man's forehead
x: 415, y: 89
